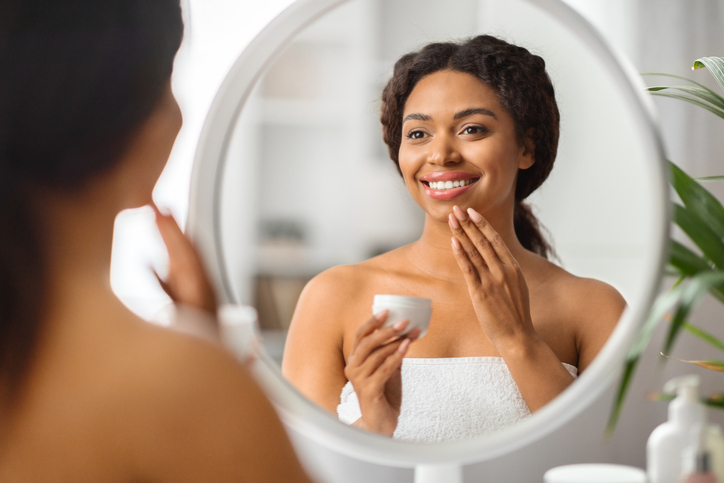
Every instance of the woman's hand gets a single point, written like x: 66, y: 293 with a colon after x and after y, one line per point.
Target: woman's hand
x: 187, y: 282
x: 373, y: 368
x: 495, y: 281
x: 500, y: 298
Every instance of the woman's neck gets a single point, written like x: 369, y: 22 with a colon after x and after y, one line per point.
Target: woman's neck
x: 78, y: 236
x: 432, y: 252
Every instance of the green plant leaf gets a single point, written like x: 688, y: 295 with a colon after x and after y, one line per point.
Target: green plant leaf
x: 703, y: 335
x: 661, y: 306
x: 670, y: 271
x: 693, y: 100
x: 678, y: 281
x: 687, y: 296
x: 700, y: 233
x: 702, y: 219
x: 710, y: 178
x: 623, y: 388
x: 715, y: 66
x: 686, y: 261
x: 661, y: 74
x: 661, y: 396
x: 697, y: 199
x: 715, y: 401
x: 703, y: 93
x: 710, y: 364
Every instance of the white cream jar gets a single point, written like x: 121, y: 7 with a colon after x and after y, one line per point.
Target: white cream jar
x: 415, y: 309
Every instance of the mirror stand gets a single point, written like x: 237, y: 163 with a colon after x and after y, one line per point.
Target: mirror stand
x: 439, y: 473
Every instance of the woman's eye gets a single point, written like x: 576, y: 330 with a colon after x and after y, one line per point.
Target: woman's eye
x: 416, y: 135
x: 474, y: 130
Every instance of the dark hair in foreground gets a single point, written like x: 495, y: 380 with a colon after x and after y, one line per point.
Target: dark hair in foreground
x: 523, y: 87
x: 77, y: 80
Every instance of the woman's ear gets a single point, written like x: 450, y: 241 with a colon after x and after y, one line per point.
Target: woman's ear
x: 527, y: 151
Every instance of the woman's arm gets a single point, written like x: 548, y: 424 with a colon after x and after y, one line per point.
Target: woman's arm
x: 313, y: 354
x: 597, y: 307
x: 314, y: 360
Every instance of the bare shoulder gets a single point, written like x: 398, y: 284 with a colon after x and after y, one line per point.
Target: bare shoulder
x: 336, y: 283
x: 347, y: 284
x: 346, y: 279
x: 200, y: 413
x: 589, y: 296
x: 575, y: 294
x: 588, y: 308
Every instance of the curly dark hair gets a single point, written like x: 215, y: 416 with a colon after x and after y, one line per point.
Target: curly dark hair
x: 77, y: 81
x: 523, y: 88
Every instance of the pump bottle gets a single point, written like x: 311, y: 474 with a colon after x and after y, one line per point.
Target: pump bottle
x: 668, y: 441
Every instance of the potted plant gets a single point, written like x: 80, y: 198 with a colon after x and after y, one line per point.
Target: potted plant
x: 699, y: 270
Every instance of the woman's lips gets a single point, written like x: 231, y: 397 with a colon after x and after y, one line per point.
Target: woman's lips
x: 447, y: 194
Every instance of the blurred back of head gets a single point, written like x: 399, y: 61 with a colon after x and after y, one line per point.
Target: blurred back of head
x: 78, y: 78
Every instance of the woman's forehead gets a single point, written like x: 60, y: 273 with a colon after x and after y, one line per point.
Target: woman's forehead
x: 448, y: 92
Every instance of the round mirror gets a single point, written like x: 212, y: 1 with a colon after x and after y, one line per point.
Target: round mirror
x: 291, y: 177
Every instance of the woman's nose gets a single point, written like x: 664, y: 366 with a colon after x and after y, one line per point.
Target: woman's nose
x: 443, y: 151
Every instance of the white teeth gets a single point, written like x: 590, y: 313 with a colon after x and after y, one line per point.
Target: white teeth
x: 446, y: 185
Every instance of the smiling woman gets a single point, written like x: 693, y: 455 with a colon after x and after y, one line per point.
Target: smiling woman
x: 473, y: 130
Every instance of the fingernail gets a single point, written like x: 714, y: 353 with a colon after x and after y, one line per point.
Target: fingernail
x: 403, y: 346
x: 400, y: 325
x: 459, y: 214
x: 474, y: 215
x: 456, y: 244
x: 453, y: 221
x: 380, y: 316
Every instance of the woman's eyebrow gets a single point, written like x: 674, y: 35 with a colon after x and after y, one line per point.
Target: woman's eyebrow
x: 416, y: 117
x: 478, y: 110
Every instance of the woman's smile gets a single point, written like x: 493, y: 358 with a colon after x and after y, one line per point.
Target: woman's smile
x: 447, y: 185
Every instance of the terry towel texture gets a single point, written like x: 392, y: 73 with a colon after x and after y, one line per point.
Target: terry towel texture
x: 451, y: 399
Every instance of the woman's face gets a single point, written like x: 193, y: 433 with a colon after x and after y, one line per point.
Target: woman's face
x: 459, y: 147
x: 147, y: 155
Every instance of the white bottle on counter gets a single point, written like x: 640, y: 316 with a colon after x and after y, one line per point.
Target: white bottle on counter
x: 697, y: 461
x: 715, y: 442
x: 238, y: 329
x: 667, y: 442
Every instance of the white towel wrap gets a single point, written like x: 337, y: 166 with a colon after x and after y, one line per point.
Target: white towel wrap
x: 446, y: 399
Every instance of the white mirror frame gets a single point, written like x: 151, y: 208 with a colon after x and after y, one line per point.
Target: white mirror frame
x: 304, y: 416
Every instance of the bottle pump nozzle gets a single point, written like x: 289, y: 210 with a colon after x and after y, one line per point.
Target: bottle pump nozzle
x: 686, y: 407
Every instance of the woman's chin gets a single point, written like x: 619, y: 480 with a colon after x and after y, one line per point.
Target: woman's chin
x: 439, y: 214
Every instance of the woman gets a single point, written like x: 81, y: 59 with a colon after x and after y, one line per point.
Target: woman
x: 89, y: 392
x: 473, y: 130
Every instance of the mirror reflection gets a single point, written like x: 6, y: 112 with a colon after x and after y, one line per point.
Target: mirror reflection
x: 505, y: 192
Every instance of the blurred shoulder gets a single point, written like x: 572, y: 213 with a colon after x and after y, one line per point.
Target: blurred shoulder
x: 186, y: 372
x: 197, y: 410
